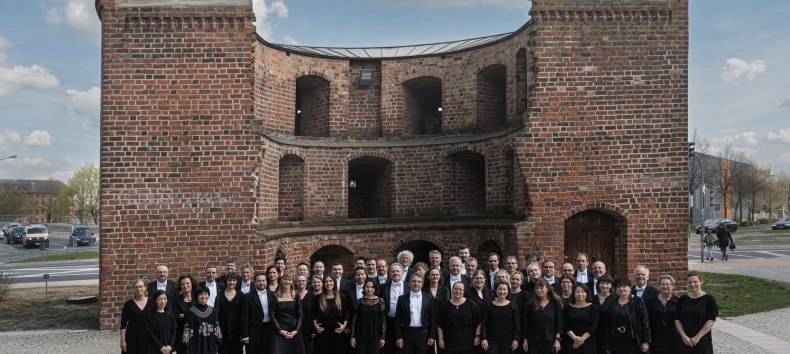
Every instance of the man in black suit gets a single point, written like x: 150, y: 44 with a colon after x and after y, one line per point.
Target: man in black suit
x: 355, y: 291
x: 641, y: 287
x: 582, y: 273
x: 390, y: 292
x: 214, y: 287
x: 318, y: 269
x: 547, y: 268
x: 381, y: 272
x: 405, y: 258
x: 598, y: 270
x: 415, y: 320
x: 256, y: 324
x: 370, y: 267
x: 247, y: 283
x: 455, y: 274
x: 341, y: 283
x: 493, y: 267
x: 162, y: 283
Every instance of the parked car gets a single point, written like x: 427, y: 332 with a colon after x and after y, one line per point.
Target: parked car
x: 782, y: 223
x: 8, y: 227
x: 82, y: 235
x: 22, y: 221
x: 713, y: 225
x: 16, y: 235
x: 35, y: 235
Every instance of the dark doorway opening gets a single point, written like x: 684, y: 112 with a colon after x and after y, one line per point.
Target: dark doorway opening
x: 423, y: 105
x: 420, y: 249
x: 369, y: 188
x: 312, y: 106
x: 491, y: 97
x: 333, y: 254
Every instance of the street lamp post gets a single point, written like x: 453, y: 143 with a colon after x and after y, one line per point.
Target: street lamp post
x: 8, y: 157
x: 692, y: 155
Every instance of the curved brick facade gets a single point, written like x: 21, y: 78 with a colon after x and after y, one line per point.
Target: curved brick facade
x: 230, y: 146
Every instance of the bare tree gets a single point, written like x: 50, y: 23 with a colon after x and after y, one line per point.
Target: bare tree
x: 701, y: 147
x: 772, y: 194
x: 7, y: 281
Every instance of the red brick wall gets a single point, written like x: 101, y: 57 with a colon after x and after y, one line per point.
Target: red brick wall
x: 491, y: 97
x: 364, y: 106
x: 177, y: 143
x: 291, y: 188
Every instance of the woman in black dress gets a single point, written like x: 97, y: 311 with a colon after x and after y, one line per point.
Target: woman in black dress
x: 307, y: 299
x: 662, y: 310
x: 533, y: 273
x: 458, y: 323
x: 229, y: 305
x: 134, y: 319
x: 478, y: 292
x: 202, y: 334
x: 580, y: 318
x: 369, y: 324
x: 696, y: 314
x: 603, y: 301
x: 183, y: 302
x: 435, y: 286
x: 629, y: 328
x: 330, y: 319
x: 518, y: 296
x: 287, y: 319
x: 542, y: 326
x: 162, y: 326
x: 500, y: 330
x: 272, y: 277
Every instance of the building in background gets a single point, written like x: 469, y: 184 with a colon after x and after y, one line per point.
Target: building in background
x: 35, y: 200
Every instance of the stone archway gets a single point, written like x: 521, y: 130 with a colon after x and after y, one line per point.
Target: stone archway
x: 420, y: 248
x: 333, y: 254
x: 598, y: 233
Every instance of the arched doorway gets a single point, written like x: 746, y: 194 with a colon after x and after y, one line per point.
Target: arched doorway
x: 484, y: 250
x: 420, y: 249
x: 334, y: 254
x: 595, y: 232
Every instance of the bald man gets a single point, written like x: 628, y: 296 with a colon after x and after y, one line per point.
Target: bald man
x: 163, y: 283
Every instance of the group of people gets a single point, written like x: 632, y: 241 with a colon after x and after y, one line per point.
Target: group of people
x: 417, y: 308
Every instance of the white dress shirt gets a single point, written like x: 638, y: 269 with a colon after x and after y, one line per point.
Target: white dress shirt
x: 415, y: 308
x: 161, y: 286
x: 640, y: 291
x: 454, y: 280
x: 262, y: 294
x: 212, y: 292
x: 360, y: 289
x: 581, y: 276
x: 245, y: 287
x: 396, y: 290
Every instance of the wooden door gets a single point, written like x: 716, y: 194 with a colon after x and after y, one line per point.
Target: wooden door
x: 592, y: 232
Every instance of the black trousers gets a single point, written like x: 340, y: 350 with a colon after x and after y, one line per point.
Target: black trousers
x: 415, y: 340
x: 367, y: 346
x: 499, y: 347
x: 260, y: 339
x: 389, y: 344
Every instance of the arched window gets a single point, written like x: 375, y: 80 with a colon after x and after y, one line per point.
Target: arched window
x: 369, y: 188
x: 491, y: 97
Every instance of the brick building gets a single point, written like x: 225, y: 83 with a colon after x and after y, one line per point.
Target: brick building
x: 33, y: 199
x: 568, y: 134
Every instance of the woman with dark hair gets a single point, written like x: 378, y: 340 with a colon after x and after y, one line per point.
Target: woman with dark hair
x: 580, y: 318
x: 518, y: 296
x: 696, y: 314
x: 228, y: 304
x: 161, y: 325
x: 629, y: 331
x: 603, y: 301
x: 330, y: 319
x: 458, y: 323
x: 662, y: 310
x: 202, y: 334
x: 306, y: 299
x: 183, y: 302
x: 542, y: 326
x: 435, y: 286
x: 272, y: 277
x: 134, y: 319
x: 478, y: 292
x: 567, y: 284
x: 287, y: 318
x: 500, y: 330
x: 369, y: 324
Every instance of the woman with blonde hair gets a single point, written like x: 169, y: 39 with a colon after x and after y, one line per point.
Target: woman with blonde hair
x: 287, y: 318
x: 330, y: 320
x: 134, y: 318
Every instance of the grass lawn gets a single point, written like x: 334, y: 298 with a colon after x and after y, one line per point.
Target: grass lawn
x: 61, y: 257
x: 739, y: 295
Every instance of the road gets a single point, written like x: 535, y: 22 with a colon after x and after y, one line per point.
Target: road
x: 29, y: 274
x: 750, y: 253
x: 59, y: 235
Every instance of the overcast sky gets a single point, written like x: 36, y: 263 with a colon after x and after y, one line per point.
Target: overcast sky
x: 49, y: 66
